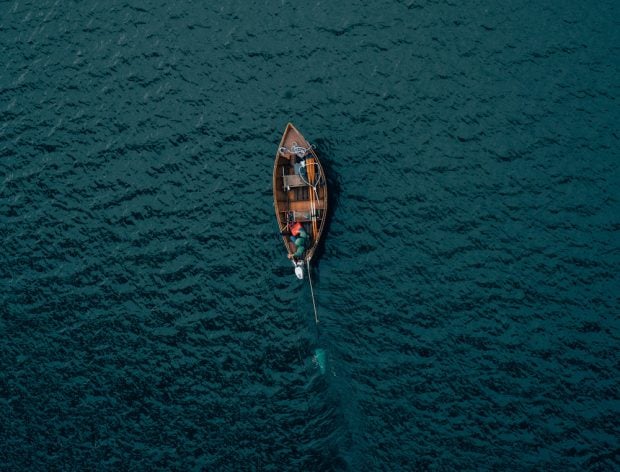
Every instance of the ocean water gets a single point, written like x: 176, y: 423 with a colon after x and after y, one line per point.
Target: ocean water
x: 467, y: 285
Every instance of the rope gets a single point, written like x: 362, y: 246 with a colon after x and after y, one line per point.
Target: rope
x: 297, y: 149
x: 300, y: 150
x: 316, y: 316
x: 317, y: 173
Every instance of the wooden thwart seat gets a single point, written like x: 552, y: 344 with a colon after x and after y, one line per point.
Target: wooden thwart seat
x: 293, y: 180
x: 301, y: 210
x: 305, y: 215
x: 305, y: 205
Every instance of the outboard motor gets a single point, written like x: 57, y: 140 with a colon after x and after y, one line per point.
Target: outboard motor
x: 299, y: 270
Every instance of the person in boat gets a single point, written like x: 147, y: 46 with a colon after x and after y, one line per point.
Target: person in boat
x: 300, y: 243
x: 299, y: 238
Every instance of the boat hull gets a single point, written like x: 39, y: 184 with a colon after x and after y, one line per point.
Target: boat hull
x: 299, y: 193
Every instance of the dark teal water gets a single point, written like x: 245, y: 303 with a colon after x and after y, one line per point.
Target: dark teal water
x: 468, y: 287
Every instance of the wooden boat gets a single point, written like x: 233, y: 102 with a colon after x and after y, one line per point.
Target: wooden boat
x: 299, y: 197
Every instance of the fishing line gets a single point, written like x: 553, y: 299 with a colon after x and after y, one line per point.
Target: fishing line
x: 316, y: 316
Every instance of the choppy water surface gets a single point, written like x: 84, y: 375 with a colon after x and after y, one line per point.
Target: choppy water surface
x: 468, y: 286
